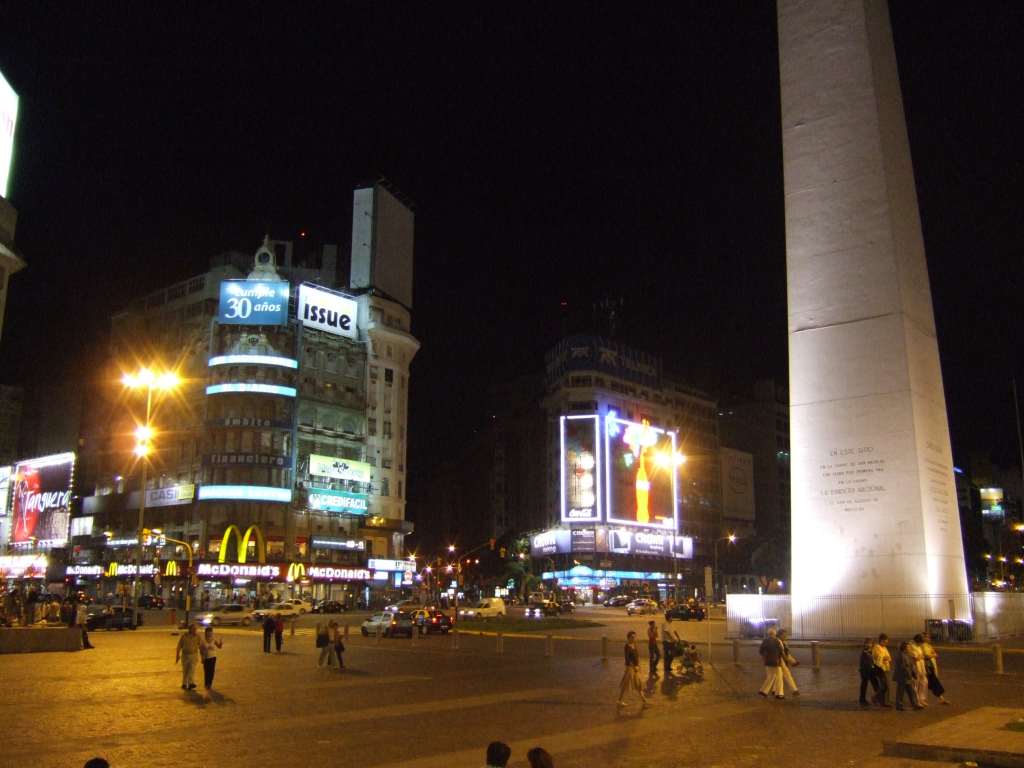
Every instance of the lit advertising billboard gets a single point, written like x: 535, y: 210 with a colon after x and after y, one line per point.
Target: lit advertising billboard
x: 253, y: 302
x: 340, y: 469
x: 8, y: 121
x: 554, y: 541
x: 640, y: 477
x: 41, y: 492
x: 581, y: 464
x: 5, y: 487
x: 327, y: 311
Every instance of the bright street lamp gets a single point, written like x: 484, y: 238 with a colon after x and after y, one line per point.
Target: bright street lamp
x: 151, y: 381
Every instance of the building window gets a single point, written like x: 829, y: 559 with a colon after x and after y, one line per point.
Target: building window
x: 385, y: 486
x: 371, y: 426
x: 387, y: 429
x: 399, y: 489
x: 389, y: 376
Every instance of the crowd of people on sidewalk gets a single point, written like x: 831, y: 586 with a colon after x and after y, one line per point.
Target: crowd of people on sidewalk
x: 915, y: 670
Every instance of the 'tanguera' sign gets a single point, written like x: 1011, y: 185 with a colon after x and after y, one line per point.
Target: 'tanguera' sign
x: 327, y: 311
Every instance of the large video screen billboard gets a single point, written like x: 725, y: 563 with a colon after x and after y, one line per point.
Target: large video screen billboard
x: 8, y: 122
x: 41, y: 493
x: 581, y: 463
x: 641, y: 474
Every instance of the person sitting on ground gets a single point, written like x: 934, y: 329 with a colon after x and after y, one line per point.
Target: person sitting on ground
x: 498, y: 753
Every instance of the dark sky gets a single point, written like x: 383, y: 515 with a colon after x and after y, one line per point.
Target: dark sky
x: 556, y: 151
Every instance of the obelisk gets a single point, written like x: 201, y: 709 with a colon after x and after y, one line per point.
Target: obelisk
x: 875, y: 525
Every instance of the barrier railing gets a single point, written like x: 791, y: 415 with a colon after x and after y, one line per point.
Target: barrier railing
x: 958, y: 617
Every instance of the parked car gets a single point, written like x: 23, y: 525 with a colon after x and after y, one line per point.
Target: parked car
x: 430, y: 620
x: 488, y: 608
x: 617, y: 601
x: 286, y: 611
x: 545, y: 608
x: 566, y: 606
x: 686, y: 611
x: 229, y: 613
x: 116, y: 617
x: 151, y: 602
x: 329, y: 606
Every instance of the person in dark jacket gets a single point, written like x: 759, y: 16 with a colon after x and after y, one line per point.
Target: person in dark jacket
x: 905, y: 677
x: 268, y: 630
x: 771, y: 651
x: 867, y: 672
x: 278, y: 631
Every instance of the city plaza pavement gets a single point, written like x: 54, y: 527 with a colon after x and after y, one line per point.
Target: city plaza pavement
x: 420, y: 703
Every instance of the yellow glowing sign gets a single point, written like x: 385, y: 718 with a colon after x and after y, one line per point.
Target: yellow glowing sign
x: 243, y: 544
x: 171, y: 569
x: 296, y: 572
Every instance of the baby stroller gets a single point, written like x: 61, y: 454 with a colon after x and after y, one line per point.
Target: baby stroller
x: 688, y: 658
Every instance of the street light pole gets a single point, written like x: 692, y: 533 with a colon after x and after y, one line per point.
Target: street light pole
x: 731, y: 538
x: 136, y: 597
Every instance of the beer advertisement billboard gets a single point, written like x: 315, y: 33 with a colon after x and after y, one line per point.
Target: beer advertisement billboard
x: 642, y: 467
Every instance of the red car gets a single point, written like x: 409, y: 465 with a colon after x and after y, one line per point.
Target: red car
x: 431, y: 620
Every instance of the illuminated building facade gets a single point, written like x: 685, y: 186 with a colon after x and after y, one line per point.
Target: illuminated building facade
x: 292, y: 417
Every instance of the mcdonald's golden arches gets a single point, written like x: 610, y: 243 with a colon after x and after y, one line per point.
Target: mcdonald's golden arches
x: 242, y: 543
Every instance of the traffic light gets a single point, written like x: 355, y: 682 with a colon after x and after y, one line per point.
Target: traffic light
x: 502, y: 552
x: 493, y: 542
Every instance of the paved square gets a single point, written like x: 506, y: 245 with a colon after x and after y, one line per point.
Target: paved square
x: 420, y: 703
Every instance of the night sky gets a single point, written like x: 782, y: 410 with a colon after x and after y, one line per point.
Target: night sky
x: 556, y: 152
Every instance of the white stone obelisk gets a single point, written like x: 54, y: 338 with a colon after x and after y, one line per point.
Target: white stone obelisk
x: 875, y: 517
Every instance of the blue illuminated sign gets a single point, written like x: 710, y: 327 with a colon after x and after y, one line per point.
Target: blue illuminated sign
x: 259, y: 389
x: 244, y: 493
x: 284, y: 362
x: 329, y: 500
x: 253, y: 302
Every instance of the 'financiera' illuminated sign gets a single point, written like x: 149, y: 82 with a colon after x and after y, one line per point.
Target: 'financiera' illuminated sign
x: 253, y: 302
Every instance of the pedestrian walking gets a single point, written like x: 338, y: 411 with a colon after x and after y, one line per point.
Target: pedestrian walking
x: 867, y: 672
x: 208, y: 648
x: 881, y: 661
x: 771, y: 652
x: 668, y: 641
x: 30, y: 605
x: 278, y: 632
x: 631, y: 673
x: 498, y: 754
x: 931, y: 668
x: 324, y: 644
x: 188, y: 654
x: 268, y: 631
x: 538, y: 757
x: 652, y: 649
x: 788, y: 662
x: 920, y: 675
x: 82, y: 622
x: 905, y: 676
x: 339, y: 646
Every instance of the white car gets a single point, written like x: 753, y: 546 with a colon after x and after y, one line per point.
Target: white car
x: 229, y: 613
x: 641, y: 605
x: 488, y: 608
x: 378, y: 624
x: 286, y: 610
x: 304, y: 606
